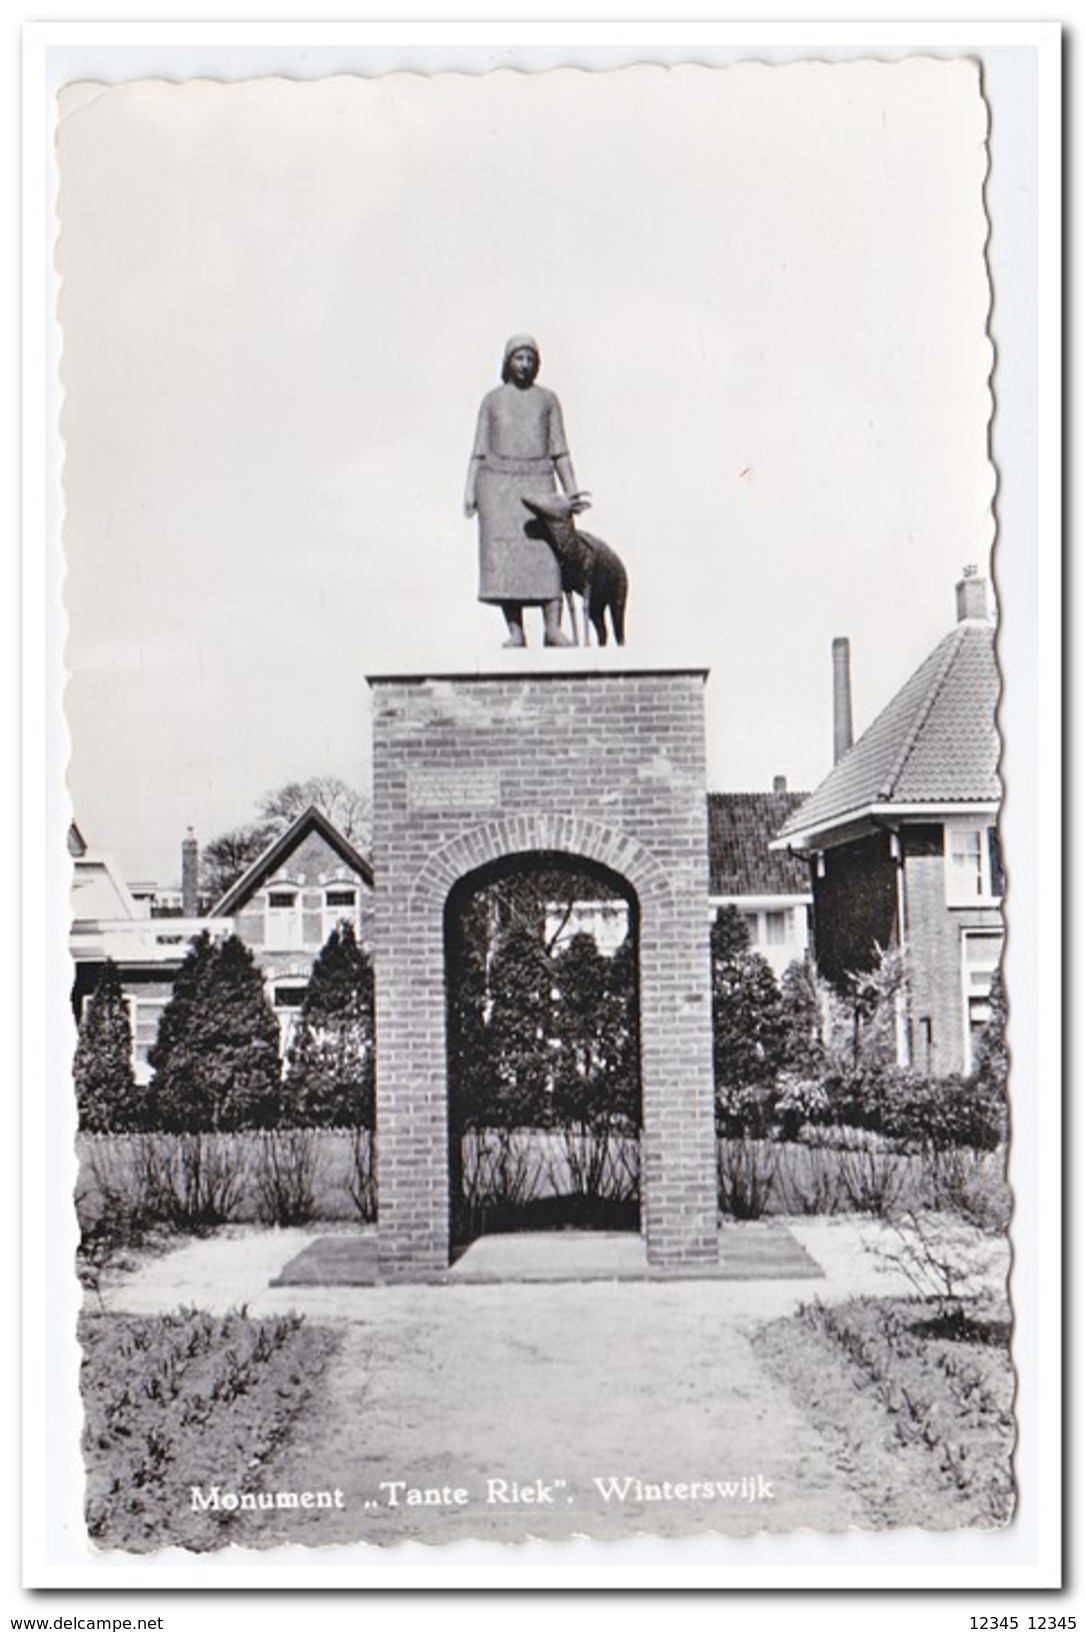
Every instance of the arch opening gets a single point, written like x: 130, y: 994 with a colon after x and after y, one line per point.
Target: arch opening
x: 544, y: 1054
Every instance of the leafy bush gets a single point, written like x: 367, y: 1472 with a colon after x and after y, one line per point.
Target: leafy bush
x: 800, y: 1103
x: 919, y: 1113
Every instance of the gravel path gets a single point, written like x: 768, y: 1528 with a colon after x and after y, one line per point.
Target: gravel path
x: 446, y: 1388
x: 563, y: 1383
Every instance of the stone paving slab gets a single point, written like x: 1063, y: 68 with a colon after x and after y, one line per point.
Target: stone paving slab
x: 757, y: 1251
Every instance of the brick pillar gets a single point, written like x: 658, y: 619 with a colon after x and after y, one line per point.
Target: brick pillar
x: 593, y: 758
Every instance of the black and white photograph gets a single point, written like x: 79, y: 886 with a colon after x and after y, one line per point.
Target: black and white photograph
x: 537, y: 1061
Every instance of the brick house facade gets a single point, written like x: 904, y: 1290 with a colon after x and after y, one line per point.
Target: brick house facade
x: 284, y: 907
x: 903, y: 845
x: 287, y: 903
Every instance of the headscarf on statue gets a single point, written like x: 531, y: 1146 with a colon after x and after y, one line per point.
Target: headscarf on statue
x: 518, y: 342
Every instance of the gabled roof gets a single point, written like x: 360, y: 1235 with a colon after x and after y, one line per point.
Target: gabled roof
x: 272, y: 857
x: 934, y: 744
x: 741, y: 826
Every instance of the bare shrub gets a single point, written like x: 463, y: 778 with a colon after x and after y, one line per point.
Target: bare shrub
x: 872, y: 1176
x: 746, y: 1174
x: 943, y: 1258
x: 115, y: 1207
x: 501, y: 1169
x: 196, y: 1181
x: 599, y: 1164
x: 973, y: 1184
x: 361, y: 1180
x: 286, y: 1175
x: 809, y: 1178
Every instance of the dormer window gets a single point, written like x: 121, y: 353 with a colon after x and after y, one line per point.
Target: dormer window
x: 974, y: 868
x: 283, y: 920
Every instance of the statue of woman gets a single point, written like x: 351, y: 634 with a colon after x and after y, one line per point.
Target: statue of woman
x: 520, y: 445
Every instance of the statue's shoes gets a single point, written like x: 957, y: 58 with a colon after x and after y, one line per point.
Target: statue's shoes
x: 558, y: 640
x: 514, y: 640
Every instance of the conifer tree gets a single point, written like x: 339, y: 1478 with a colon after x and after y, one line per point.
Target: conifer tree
x: 518, y: 1031
x: 216, y: 1057
x: 330, y: 1070
x: 239, y: 1040
x: 746, y: 1026
x: 594, y: 1055
x: 105, y: 1086
x: 802, y: 1050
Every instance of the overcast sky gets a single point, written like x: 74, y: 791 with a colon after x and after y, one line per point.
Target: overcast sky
x: 760, y: 294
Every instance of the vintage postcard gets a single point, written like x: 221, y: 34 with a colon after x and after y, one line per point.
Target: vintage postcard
x: 535, y: 1037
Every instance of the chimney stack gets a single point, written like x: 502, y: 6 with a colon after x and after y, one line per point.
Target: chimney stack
x: 842, y: 699
x: 972, y: 592
x: 190, y: 875
x: 780, y: 784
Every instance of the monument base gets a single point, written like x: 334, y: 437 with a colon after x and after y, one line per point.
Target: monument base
x: 591, y: 758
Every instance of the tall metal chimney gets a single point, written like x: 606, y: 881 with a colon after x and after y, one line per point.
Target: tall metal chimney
x: 190, y: 875
x: 842, y: 698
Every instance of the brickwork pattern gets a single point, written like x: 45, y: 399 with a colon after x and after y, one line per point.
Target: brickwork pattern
x: 933, y: 931
x: 608, y: 767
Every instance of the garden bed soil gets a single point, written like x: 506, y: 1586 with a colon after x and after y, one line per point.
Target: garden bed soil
x: 915, y: 1403
x: 183, y: 1401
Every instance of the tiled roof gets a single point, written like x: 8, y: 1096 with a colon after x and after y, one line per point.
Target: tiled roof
x: 740, y: 860
x: 279, y: 848
x: 934, y: 743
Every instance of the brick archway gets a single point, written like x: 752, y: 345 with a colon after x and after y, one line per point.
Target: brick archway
x: 538, y: 832
x: 580, y: 761
x: 528, y: 1182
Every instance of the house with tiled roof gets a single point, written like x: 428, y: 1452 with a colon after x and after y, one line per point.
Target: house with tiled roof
x: 903, y: 844
x: 771, y: 889
x: 284, y: 907
x: 286, y: 904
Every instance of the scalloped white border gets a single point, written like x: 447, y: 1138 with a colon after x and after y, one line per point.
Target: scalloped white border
x: 1023, y: 199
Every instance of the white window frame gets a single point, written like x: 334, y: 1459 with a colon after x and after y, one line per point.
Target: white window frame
x: 140, y: 1064
x: 283, y: 926
x: 333, y: 916
x: 287, y: 1015
x: 787, y: 927
x: 960, y: 879
x: 969, y: 991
